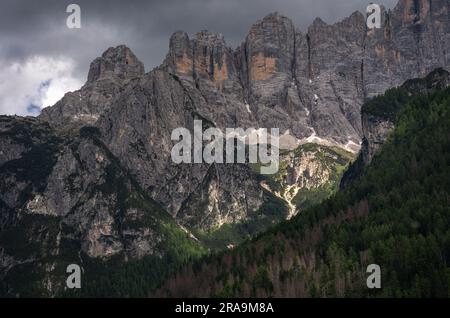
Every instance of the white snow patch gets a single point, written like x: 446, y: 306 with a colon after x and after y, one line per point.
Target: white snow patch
x: 352, y: 146
x: 313, y: 138
x: 247, y: 106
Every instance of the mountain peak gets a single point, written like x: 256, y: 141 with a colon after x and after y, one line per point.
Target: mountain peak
x: 119, y: 62
x: 275, y: 17
x: 318, y: 22
x: 417, y: 10
x: 210, y: 37
x: 355, y: 17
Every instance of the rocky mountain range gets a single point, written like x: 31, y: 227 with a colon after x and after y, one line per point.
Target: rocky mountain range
x: 95, y: 168
x: 309, y: 84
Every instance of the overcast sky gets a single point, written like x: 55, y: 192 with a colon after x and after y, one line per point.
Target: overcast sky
x: 41, y: 59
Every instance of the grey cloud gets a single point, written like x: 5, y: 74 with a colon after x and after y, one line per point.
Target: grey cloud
x: 38, y: 27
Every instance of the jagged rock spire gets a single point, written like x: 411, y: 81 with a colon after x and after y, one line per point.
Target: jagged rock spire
x: 119, y: 62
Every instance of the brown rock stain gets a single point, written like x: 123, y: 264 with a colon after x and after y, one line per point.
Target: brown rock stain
x: 409, y: 13
x: 201, y: 66
x: 262, y: 67
x: 129, y: 60
x: 184, y: 65
x: 379, y: 50
x: 220, y: 73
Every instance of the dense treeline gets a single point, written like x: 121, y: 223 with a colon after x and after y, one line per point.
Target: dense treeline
x: 396, y: 215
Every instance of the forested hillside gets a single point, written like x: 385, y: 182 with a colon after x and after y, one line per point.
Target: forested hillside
x: 396, y: 215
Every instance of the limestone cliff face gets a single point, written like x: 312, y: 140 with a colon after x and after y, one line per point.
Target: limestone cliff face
x: 376, y: 131
x: 76, y: 184
x: 413, y: 41
x: 267, y: 59
x: 313, y: 84
x: 118, y: 62
x: 138, y: 131
x: 107, y: 76
x: 269, y: 51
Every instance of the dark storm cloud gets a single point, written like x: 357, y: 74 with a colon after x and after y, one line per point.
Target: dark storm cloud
x: 38, y: 27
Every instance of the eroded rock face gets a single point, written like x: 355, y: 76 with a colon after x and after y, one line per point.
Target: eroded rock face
x: 226, y: 196
x: 118, y: 62
x: 376, y: 131
x: 269, y: 56
x: 107, y: 76
x: 414, y: 40
x: 329, y: 70
x: 268, y: 62
x: 312, y: 84
x: 139, y: 134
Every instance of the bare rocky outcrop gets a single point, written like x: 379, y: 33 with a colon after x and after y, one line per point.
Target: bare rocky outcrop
x: 119, y: 62
x: 413, y: 41
x: 107, y: 76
